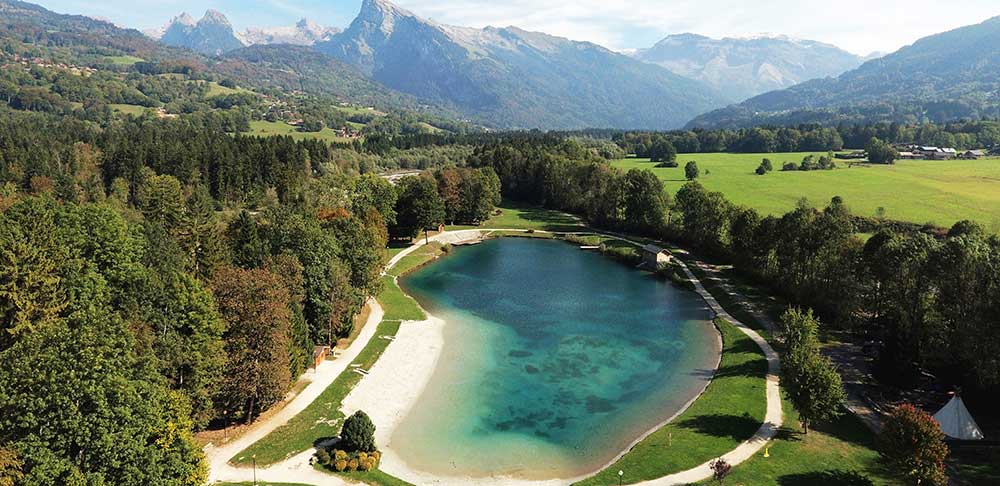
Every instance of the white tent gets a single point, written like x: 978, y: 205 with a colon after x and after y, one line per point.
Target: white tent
x: 956, y: 421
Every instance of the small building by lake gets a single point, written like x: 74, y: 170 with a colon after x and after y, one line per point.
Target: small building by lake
x: 654, y: 257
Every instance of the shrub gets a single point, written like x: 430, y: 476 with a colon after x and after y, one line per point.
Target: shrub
x: 323, y: 457
x: 358, y: 433
x: 789, y: 166
x: 668, y: 165
x: 340, y: 466
x: 352, y: 465
x: 912, y: 445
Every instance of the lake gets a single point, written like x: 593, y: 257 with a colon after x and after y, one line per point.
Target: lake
x: 556, y: 360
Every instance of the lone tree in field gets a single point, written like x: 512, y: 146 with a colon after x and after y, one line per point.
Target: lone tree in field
x: 809, y: 379
x: 691, y: 171
x: 358, y: 433
x: 880, y: 152
x: 911, y: 444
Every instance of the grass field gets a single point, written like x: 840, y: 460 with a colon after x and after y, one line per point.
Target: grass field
x: 729, y: 412
x: 123, y: 60
x: 941, y: 192
x: 216, y: 89
x: 266, y: 129
x: 129, y: 109
x: 519, y: 216
x: 841, y: 453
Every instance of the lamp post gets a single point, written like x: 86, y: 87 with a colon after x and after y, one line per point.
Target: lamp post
x: 254, y: 469
x: 620, y: 474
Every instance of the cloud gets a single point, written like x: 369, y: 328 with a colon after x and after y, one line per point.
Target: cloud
x: 860, y: 26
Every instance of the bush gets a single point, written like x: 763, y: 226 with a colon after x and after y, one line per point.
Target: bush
x: 340, y: 466
x: 358, y: 433
x: 789, y: 166
x: 911, y: 444
x: 667, y: 165
x: 323, y: 457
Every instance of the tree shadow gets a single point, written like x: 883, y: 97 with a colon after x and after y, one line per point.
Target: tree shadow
x: 735, y: 427
x: 834, y: 477
x: 754, y: 369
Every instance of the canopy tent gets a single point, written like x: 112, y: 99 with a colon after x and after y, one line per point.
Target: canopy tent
x: 956, y: 421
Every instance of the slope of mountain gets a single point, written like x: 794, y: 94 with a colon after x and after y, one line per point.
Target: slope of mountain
x: 744, y: 67
x: 212, y: 35
x: 508, y: 77
x: 304, y: 33
x: 944, y: 77
x: 301, y: 68
x: 85, y: 38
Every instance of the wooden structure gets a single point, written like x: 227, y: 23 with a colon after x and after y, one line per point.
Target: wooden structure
x: 654, y: 257
x: 319, y: 355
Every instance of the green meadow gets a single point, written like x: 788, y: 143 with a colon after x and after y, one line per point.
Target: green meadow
x: 266, y: 128
x: 939, y: 192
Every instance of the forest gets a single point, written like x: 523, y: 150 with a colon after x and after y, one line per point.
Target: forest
x: 160, y: 277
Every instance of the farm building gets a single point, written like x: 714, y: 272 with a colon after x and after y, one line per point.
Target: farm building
x: 653, y: 257
x: 972, y: 154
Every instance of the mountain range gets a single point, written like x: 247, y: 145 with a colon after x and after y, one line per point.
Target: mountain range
x: 512, y: 78
x: 949, y: 76
x: 213, y: 35
x: 740, y: 68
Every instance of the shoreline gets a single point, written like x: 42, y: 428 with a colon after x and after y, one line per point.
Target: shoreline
x: 402, y: 374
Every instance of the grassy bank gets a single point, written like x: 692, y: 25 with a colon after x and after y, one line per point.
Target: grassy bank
x: 941, y: 192
x: 514, y: 215
x: 729, y: 412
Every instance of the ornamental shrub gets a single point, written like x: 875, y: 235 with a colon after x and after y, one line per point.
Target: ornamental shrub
x: 358, y: 433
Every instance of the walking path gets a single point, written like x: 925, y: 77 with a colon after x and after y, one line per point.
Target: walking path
x: 772, y: 417
x: 297, y: 468
x: 218, y: 457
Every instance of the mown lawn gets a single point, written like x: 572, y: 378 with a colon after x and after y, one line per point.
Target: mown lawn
x: 266, y: 129
x: 519, y: 216
x: 374, y: 478
x: 729, y: 412
x: 841, y: 453
x: 941, y: 192
x: 398, y: 306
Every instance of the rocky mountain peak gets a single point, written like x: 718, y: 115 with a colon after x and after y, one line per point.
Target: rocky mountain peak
x: 215, y: 17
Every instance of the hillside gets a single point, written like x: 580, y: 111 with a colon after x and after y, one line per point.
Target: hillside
x: 744, y: 67
x: 299, y: 68
x: 948, y: 76
x: 507, y: 77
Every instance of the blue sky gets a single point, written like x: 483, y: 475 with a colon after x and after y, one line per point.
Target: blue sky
x: 860, y: 26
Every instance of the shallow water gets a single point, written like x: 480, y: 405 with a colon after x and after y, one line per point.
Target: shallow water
x: 555, y: 360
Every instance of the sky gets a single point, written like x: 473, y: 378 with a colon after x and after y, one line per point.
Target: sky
x: 859, y: 26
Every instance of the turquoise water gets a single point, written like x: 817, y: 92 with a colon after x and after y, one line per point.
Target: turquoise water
x: 556, y: 359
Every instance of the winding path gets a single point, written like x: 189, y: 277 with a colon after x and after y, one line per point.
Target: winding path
x: 297, y: 468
